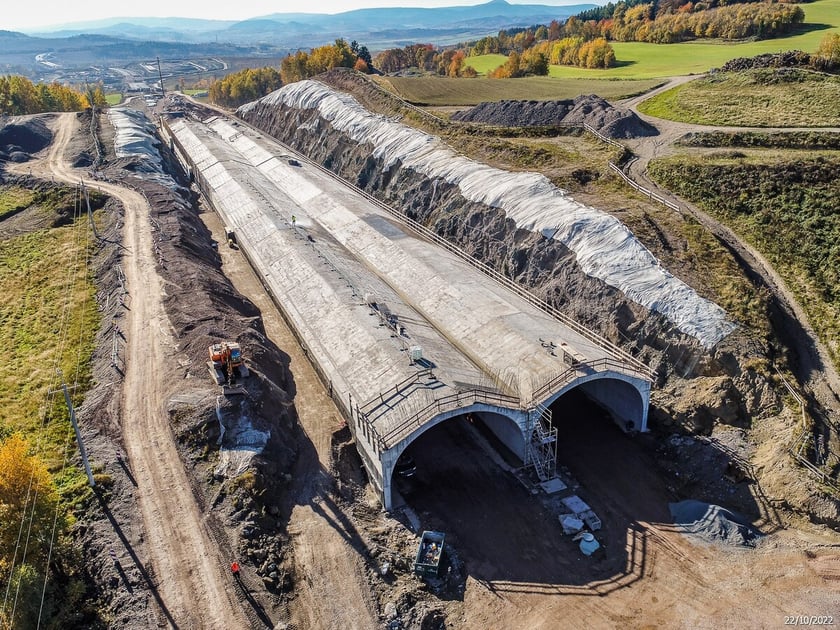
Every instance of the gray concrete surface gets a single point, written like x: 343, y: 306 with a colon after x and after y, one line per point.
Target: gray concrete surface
x: 364, y: 292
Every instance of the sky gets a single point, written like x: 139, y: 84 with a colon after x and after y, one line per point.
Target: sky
x: 34, y: 14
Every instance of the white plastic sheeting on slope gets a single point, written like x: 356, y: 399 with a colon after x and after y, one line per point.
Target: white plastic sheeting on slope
x: 135, y: 136
x: 239, y: 441
x: 604, y: 247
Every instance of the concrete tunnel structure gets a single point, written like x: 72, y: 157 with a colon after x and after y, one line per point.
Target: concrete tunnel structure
x: 405, y: 330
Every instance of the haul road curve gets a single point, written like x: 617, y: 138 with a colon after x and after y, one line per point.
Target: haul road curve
x: 192, y: 584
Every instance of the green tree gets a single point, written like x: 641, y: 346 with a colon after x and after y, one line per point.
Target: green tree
x: 293, y: 67
x: 19, y: 96
x: 534, y: 63
x: 246, y: 85
x: 302, y: 65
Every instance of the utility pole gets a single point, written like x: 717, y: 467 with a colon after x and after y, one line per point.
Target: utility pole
x: 72, y: 411
x: 160, y: 74
x: 90, y: 213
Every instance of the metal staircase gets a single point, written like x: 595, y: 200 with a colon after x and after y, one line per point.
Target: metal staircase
x: 541, y: 451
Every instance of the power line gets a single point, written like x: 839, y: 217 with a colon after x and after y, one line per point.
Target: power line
x: 69, y: 283
x: 79, y: 360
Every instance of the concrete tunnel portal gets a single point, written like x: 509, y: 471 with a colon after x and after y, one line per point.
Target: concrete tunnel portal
x: 405, y: 330
x: 620, y: 398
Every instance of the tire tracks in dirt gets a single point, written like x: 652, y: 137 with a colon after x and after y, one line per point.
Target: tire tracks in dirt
x: 331, y: 591
x: 192, y: 587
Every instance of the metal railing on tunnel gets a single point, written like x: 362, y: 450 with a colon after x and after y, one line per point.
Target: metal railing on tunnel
x: 396, y: 390
x: 583, y: 368
x: 441, y: 405
x: 393, y: 435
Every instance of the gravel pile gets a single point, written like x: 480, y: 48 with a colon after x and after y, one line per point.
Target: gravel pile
x: 713, y: 523
x: 19, y: 140
x: 592, y: 110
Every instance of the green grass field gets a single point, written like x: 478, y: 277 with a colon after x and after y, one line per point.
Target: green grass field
x: 14, y: 199
x: 439, y: 91
x: 485, y: 63
x: 639, y: 60
x: 755, y: 98
x: 38, y: 290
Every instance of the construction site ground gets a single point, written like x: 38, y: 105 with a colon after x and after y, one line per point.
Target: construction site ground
x: 511, y: 565
x: 516, y: 557
x: 513, y: 552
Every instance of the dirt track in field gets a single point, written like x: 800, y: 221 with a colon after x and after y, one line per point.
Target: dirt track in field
x: 193, y: 588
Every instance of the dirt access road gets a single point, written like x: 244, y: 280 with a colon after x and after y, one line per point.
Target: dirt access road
x: 194, y: 588
x: 814, y: 368
x: 331, y: 591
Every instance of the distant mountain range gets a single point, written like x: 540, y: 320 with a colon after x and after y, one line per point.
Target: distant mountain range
x: 120, y: 51
x: 374, y: 28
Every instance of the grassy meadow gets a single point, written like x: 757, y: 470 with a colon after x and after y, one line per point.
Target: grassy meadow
x: 785, y: 205
x: 42, y: 278
x: 439, y: 91
x: 755, y: 98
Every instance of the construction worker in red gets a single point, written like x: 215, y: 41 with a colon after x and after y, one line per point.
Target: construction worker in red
x: 235, y: 569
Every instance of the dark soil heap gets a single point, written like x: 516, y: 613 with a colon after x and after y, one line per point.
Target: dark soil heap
x: 590, y: 110
x: 19, y: 140
x: 786, y: 59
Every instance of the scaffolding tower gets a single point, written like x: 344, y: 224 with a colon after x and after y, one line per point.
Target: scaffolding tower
x: 541, y: 451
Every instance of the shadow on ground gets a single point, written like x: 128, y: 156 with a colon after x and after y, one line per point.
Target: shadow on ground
x: 510, y: 538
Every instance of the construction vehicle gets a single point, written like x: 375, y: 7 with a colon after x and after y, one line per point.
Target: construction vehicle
x: 227, y: 366
x: 429, y: 554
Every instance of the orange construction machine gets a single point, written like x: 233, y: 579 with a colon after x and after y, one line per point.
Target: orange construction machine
x: 227, y: 366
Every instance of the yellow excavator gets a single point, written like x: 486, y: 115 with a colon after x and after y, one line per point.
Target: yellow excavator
x: 227, y: 366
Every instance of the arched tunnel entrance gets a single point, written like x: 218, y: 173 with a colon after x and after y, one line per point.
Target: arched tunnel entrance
x: 514, y: 431
x: 469, y: 484
x: 621, y: 399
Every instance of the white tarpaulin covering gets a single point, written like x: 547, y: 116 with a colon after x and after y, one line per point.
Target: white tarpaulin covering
x: 239, y: 441
x: 135, y: 136
x: 604, y: 247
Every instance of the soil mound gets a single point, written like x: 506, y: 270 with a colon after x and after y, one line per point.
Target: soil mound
x: 713, y: 523
x: 787, y: 59
x: 591, y: 110
x: 19, y: 140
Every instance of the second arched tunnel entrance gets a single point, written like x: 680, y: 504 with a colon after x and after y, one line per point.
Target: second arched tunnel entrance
x: 469, y: 484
